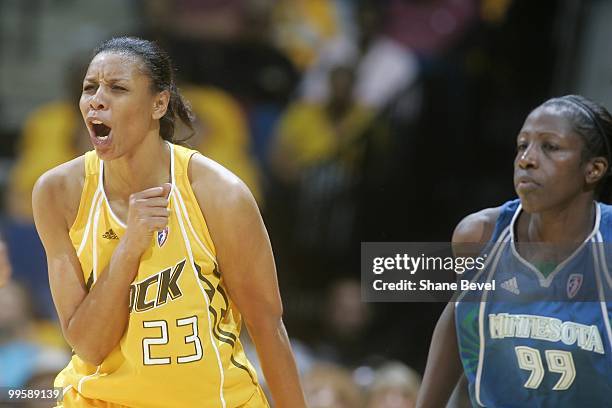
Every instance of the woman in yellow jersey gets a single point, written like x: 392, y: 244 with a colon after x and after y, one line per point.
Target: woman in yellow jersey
x: 154, y: 253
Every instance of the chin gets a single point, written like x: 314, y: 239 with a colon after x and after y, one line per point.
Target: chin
x: 532, y: 204
x: 106, y: 154
x: 530, y: 207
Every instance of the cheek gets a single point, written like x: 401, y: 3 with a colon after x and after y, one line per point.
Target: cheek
x: 142, y: 108
x: 571, y: 176
x: 134, y: 115
x: 83, y: 103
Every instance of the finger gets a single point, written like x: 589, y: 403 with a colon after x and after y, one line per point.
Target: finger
x: 157, y: 223
x: 167, y: 187
x: 149, y: 193
x: 153, y: 202
x: 155, y: 212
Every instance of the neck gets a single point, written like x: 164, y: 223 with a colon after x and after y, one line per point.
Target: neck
x: 145, y: 167
x: 568, y: 223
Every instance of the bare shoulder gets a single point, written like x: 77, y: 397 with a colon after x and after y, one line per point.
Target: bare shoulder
x: 218, y: 190
x: 477, y: 227
x: 60, y: 188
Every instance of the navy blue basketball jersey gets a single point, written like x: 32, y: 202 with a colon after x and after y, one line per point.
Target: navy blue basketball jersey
x: 539, y: 339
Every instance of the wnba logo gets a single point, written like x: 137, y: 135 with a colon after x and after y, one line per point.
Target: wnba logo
x: 573, y: 284
x: 162, y: 236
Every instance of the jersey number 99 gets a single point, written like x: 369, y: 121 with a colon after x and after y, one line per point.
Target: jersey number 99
x: 558, y: 361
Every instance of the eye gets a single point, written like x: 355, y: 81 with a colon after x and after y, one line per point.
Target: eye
x: 88, y: 87
x: 118, y: 88
x: 520, y: 146
x: 551, y: 147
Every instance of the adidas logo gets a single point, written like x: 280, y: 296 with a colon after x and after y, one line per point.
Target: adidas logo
x: 110, y: 234
x: 511, y: 285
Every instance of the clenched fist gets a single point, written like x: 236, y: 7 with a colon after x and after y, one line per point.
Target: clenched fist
x: 148, y: 212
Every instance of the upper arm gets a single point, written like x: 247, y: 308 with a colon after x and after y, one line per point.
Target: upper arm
x: 242, y: 244
x: 49, y: 200
x: 443, y: 363
x: 474, y: 231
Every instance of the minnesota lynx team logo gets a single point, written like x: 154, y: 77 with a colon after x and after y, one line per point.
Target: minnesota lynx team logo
x: 573, y: 284
x: 162, y: 236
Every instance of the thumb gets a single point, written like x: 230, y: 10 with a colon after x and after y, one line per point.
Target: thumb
x: 166, y: 189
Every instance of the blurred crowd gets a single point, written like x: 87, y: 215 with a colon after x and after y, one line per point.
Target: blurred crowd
x: 350, y: 121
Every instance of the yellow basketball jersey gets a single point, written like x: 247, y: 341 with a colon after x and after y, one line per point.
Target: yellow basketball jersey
x: 181, y: 347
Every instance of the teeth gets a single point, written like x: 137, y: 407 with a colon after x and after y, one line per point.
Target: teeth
x: 103, y: 137
x: 96, y: 122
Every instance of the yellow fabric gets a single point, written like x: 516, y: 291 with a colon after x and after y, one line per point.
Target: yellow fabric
x: 224, y: 133
x: 46, y: 142
x: 182, y: 327
x: 71, y: 398
x: 306, y: 135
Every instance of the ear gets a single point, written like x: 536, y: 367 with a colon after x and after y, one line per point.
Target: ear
x: 595, y: 169
x: 160, y: 104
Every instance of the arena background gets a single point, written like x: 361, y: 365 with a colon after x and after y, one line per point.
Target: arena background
x: 350, y: 120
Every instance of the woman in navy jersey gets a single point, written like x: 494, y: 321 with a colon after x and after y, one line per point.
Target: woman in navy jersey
x: 556, y: 348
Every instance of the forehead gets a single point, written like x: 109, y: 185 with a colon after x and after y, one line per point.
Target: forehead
x: 114, y: 65
x: 550, y: 120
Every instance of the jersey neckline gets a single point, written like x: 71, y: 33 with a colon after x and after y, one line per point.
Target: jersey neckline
x: 105, y: 197
x: 545, y: 281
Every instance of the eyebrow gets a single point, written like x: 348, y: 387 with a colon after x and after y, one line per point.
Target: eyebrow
x: 539, y: 133
x: 110, y: 80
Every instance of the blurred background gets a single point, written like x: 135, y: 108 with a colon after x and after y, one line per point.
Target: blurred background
x: 350, y: 120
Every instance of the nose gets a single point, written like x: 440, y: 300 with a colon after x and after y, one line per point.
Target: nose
x: 97, y: 101
x: 528, y: 158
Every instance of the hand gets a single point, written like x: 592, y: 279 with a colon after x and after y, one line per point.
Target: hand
x: 148, y: 212
x: 5, y: 265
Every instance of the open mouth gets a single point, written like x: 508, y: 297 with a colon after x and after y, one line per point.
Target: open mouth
x: 101, y: 131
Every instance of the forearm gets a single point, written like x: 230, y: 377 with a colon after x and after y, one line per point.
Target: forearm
x: 443, y: 364
x: 278, y: 363
x: 99, y: 322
